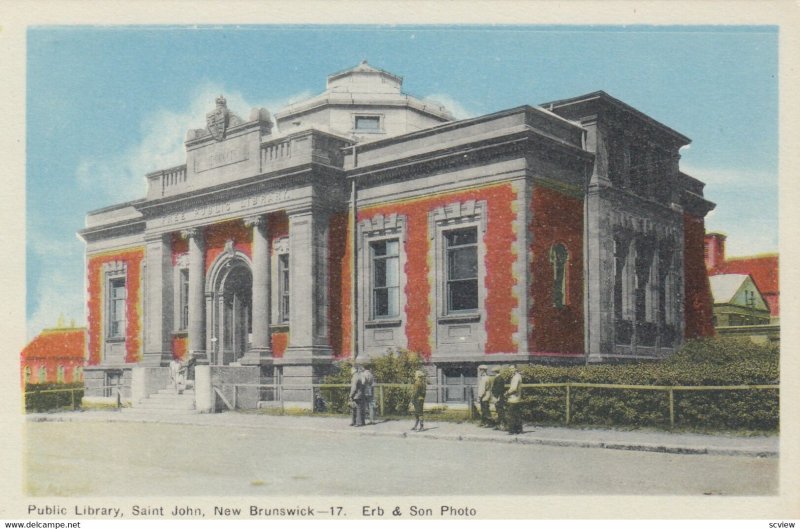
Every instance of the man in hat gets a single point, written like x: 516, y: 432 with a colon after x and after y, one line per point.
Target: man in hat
x: 484, y: 395
x: 499, y: 398
x: 369, y: 393
x: 357, y: 397
x: 418, y: 389
x: 514, y: 395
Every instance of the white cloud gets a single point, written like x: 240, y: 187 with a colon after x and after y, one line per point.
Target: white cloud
x: 458, y: 110
x: 59, y: 294
x: 120, y: 177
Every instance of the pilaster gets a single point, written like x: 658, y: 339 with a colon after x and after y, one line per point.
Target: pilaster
x: 158, y: 302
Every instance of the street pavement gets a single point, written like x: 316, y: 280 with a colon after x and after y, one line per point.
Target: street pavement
x: 618, y: 439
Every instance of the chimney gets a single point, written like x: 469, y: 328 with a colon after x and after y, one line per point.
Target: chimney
x: 714, y: 250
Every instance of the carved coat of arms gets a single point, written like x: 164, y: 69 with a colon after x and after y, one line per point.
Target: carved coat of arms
x: 217, y: 120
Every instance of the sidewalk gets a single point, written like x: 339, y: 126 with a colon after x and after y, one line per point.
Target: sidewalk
x: 642, y: 440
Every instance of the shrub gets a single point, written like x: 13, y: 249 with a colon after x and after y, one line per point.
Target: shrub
x: 707, y: 362
x: 37, y: 401
x: 397, y: 367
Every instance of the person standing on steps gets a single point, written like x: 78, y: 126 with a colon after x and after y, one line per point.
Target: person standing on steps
x: 514, y: 395
x: 418, y: 390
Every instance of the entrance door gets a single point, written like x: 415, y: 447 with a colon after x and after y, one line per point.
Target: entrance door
x: 235, y: 306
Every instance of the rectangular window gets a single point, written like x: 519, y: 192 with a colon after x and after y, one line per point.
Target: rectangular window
x: 283, y: 288
x: 184, y: 299
x: 385, y: 279
x: 368, y: 123
x: 461, y: 247
x: 116, y: 307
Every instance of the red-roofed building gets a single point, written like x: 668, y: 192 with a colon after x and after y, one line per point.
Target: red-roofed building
x: 762, y: 268
x: 54, y: 356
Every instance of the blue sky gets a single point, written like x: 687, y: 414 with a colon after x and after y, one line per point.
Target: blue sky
x: 107, y: 104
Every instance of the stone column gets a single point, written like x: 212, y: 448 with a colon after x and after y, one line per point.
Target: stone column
x: 158, y: 302
x: 197, y: 304
x: 261, y: 295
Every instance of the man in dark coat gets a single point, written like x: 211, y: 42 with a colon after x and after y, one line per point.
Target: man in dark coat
x: 499, y: 397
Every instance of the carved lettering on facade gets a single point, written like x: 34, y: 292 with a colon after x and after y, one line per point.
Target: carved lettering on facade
x: 221, y: 208
x: 220, y: 156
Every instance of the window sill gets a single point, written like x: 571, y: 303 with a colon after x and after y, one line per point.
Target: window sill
x: 115, y: 339
x: 180, y: 333
x: 279, y: 327
x: 383, y: 323
x: 459, y: 318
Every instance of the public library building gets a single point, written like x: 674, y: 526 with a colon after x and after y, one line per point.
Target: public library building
x: 365, y: 219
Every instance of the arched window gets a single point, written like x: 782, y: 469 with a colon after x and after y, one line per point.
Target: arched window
x: 60, y: 375
x: 559, y: 256
x: 42, y: 375
x: 77, y: 374
x: 27, y: 374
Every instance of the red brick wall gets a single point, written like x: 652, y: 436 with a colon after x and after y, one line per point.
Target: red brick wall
x: 698, y: 302
x: 217, y: 234
x: 96, y: 285
x: 53, y: 348
x: 555, y: 218
x: 499, y: 241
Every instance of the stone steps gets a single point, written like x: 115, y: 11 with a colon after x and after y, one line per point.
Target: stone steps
x: 168, y: 400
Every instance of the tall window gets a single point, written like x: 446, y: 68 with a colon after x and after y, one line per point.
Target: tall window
x: 116, y: 307
x: 461, y: 255
x: 283, y: 288
x: 27, y: 374
x: 42, y: 375
x: 385, y: 279
x: 60, y: 375
x: 77, y: 374
x: 558, y: 258
x: 184, y: 298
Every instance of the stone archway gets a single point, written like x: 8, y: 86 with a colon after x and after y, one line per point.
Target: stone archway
x: 230, y: 309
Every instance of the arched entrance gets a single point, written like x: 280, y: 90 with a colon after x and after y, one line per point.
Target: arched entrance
x: 231, y: 310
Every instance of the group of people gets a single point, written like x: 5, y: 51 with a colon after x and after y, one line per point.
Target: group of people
x: 492, y: 390
x: 362, y: 397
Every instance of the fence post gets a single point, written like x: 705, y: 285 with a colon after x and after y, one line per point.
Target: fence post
x: 470, y: 404
x: 380, y: 399
x: 671, y: 408
x: 72, y: 398
x: 313, y: 400
x: 235, y: 395
x: 568, y: 403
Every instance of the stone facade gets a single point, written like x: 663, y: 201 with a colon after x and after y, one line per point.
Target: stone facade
x: 368, y: 220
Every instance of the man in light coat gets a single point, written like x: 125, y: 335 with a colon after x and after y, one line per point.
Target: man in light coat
x: 484, y: 395
x: 514, y: 399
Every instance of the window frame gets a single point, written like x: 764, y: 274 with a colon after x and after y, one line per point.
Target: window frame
x: 112, y: 333
x: 560, y: 287
x: 450, y: 250
x: 379, y: 118
x: 183, y: 299
x: 284, y: 288
x: 373, y: 289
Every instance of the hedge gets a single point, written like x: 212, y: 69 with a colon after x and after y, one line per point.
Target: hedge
x: 707, y: 362
x: 36, y: 401
x: 397, y: 367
